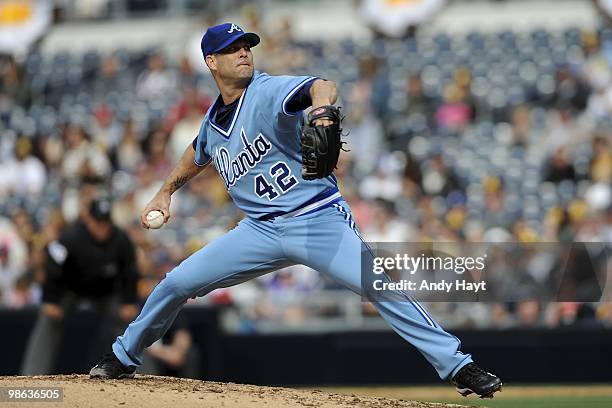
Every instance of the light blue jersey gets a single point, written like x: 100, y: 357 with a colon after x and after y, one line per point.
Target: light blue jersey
x: 258, y: 157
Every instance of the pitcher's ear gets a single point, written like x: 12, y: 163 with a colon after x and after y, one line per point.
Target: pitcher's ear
x: 210, y: 61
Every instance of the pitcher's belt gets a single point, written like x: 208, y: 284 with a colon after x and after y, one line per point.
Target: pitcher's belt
x: 318, y: 202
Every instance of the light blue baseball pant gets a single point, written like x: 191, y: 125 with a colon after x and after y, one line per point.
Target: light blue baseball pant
x: 325, y: 241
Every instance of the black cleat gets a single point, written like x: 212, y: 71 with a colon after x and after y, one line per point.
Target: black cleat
x: 473, y: 379
x: 111, y: 368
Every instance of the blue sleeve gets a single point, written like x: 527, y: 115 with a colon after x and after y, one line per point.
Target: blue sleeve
x: 300, y: 100
x: 292, y: 91
x: 202, y: 158
x: 284, y: 88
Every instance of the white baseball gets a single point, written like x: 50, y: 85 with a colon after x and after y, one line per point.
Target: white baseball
x: 155, y: 219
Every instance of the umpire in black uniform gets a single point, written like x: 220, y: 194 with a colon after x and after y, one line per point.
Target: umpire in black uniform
x: 92, y: 265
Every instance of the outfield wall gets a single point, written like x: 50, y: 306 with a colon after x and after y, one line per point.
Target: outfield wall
x: 530, y: 355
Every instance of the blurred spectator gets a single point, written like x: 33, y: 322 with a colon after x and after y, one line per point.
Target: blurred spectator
x: 25, y: 176
x: 92, y: 264
x: 278, y: 52
x: 495, y: 214
x: 386, y: 226
x: 52, y: 149
x: 583, y: 275
x: 175, y: 354
x: 559, y: 167
x: 600, y: 102
x: 418, y: 101
x: 188, y: 77
x: 148, y: 184
x: 27, y: 287
x: 184, y: 121
x: 500, y: 316
x: 156, y: 82
x: 156, y: 153
x: 10, y: 271
x: 438, y: 178
x: 562, y: 130
x: 601, y: 163
x: 192, y: 100
x: 598, y: 197
x: 12, y: 85
x: 586, y: 316
x: 111, y: 76
x: 596, y: 70
x: 373, y: 86
x: 24, y: 294
x: 82, y: 163
x: 381, y: 184
x: 568, y: 314
x: 13, y: 259
x: 105, y: 130
x: 368, y: 105
x: 454, y: 113
x: 571, y: 92
x: 24, y: 225
x: 596, y: 67
x: 529, y: 313
x: 521, y: 126
x: 128, y: 153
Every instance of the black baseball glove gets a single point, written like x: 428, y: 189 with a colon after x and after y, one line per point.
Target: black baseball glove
x: 321, y: 145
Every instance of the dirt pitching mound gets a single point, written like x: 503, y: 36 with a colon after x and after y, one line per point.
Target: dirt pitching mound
x: 145, y: 391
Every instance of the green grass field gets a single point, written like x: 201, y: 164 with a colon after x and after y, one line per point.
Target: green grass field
x: 514, y: 395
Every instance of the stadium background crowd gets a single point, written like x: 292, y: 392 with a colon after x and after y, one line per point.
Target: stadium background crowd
x: 486, y: 137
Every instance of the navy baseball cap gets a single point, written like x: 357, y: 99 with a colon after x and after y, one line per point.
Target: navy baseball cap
x: 100, y: 209
x: 220, y: 36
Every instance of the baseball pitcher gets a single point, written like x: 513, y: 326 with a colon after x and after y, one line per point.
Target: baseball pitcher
x: 280, y: 173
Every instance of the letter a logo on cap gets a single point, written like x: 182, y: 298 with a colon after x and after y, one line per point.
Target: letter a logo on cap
x: 234, y: 28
